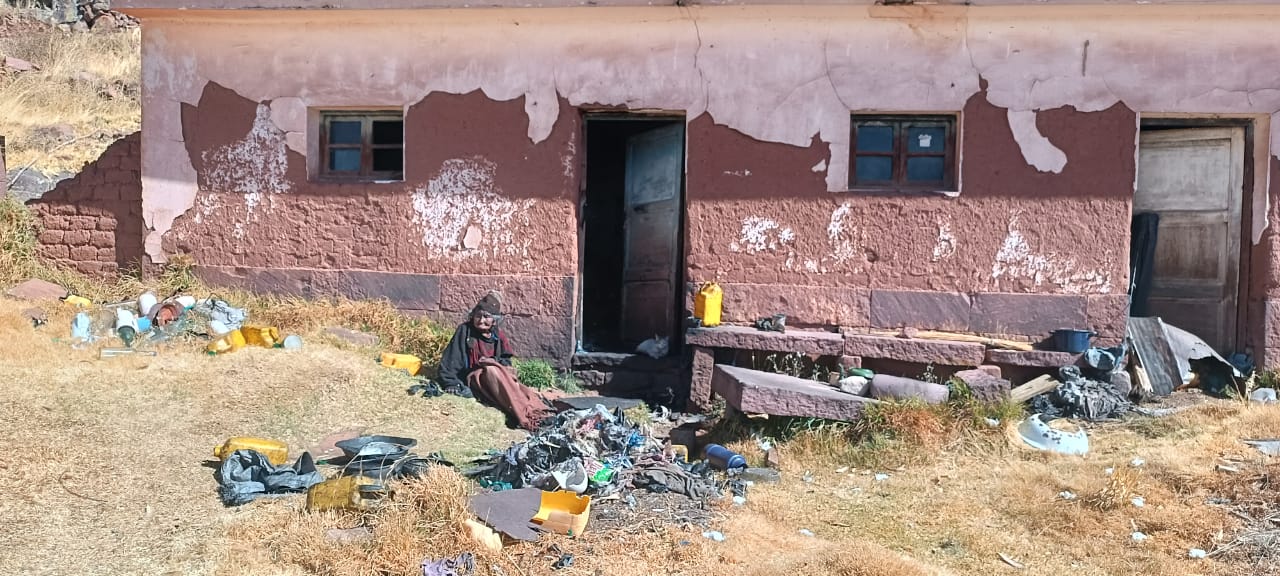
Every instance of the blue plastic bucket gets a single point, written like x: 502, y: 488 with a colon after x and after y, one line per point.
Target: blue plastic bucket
x: 1073, y: 341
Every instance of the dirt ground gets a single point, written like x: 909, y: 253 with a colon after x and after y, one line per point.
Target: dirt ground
x: 102, y: 467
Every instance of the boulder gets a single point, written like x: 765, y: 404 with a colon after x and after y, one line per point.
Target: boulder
x: 986, y: 388
x: 885, y: 387
x: 34, y: 289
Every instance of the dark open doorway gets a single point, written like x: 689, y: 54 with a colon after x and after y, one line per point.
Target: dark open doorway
x: 632, y: 217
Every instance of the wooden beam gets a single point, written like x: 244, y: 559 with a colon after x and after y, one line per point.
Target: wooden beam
x: 1033, y: 388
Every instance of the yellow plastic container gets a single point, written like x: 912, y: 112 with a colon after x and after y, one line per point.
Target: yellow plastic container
x: 345, y: 493
x: 230, y: 342
x: 407, y: 362
x: 78, y: 301
x: 707, y: 303
x: 277, y: 452
x: 564, y: 512
x: 264, y: 336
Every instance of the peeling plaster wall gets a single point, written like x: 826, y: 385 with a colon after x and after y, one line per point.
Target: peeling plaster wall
x: 1050, y: 99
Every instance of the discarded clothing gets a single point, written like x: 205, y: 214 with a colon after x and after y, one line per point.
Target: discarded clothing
x: 1079, y: 397
x: 246, y: 475
x: 221, y: 311
x: 464, y: 563
x: 775, y: 323
x: 1100, y: 363
x: 657, y: 475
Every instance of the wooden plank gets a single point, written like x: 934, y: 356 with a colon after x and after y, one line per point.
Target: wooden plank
x: 956, y: 337
x: 1142, y: 381
x: 1153, y: 351
x: 1033, y: 388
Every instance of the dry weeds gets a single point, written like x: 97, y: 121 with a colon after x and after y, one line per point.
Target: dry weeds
x: 83, y: 98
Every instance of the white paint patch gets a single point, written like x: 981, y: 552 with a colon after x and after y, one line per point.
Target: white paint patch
x: 1036, y: 149
x: 568, y: 159
x: 759, y: 234
x: 842, y: 235
x: 820, y: 167
x: 1017, y: 259
x: 738, y: 173
x: 945, y: 247
x: 810, y: 266
x: 255, y: 166
x: 462, y: 202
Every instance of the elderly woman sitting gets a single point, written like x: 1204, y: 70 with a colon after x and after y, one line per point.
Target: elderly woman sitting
x: 480, y: 356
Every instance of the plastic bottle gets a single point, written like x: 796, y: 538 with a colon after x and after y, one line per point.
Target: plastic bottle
x: 80, y: 326
x: 707, y: 304
x: 722, y: 458
x: 126, y: 326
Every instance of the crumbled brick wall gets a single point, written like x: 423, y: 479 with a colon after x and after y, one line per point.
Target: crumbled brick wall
x: 93, y: 222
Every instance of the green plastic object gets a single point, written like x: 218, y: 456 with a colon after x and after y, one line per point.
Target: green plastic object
x: 863, y: 372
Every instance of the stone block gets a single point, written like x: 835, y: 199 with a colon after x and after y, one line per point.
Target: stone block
x: 102, y: 239
x: 703, y: 365
x: 591, y: 379
x: 992, y: 370
x: 1108, y: 315
x: 886, y: 387
x: 84, y: 253
x: 107, y: 224
x: 106, y: 254
x: 747, y: 338
x: 35, y: 289
x: 1026, y: 314
x: 82, y: 222
x: 412, y: 291
x: 803, y: 305
x: 55, y: 251
x: 848, y: 362
x: 546, y: 337
x: 923, y: 310
x: 284, y: 282
x: 522, y: 295
x: 1034, y: 358
x: 913, y: 350
x: 76, y: 237
x: 51, y: 237
x: 986, y: 388
x: 752, y: 391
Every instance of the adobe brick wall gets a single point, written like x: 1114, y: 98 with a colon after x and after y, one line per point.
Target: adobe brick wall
x: 93, y: 222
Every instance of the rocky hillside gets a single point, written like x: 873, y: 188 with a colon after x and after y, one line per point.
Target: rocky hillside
x: 69, y: 87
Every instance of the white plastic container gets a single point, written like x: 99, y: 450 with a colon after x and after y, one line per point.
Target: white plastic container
x: 146, y: 302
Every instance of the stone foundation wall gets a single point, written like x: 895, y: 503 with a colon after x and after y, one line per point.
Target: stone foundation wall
x: 93, y: 222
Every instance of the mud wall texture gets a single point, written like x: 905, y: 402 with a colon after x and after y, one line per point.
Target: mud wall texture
x: 93, y: 222
x: 1034, y: 238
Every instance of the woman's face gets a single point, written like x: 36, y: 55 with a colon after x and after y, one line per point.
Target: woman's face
x: 483, y: 321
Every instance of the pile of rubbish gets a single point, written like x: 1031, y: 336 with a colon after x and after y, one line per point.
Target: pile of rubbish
x: 594, y: 451
x: 149, y: 320
x: 1080, y: 397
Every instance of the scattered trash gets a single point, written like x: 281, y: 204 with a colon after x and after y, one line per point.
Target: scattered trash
x: 856, y: 385
x: 775, y: 323
x: 1108, y: 471
x: 483, y: 535
x: 1270, y: 447
x: 1010, y: 561
x: 714, y: 535
x: 806, y: 532
x: 460, y: 565
x: 563, y: 513
x: 345, y: 493
x: 1039, y: 435
x: 1067, y: 495
x: 1080, y: 397
x: 246, y: 475
x: 407, y: 362
x: 881, y: 477
x: 739, y: 500
x: 654, y: 347
x: 1137, y: 462
x: 1139, y: 537
x: 81, y: 327
x: 1197, y: 554
x: 565, y: 561
x: 842, y: 469
x: 104, y: 353
x: 276, y: 452
x: 707, y: 304
x: 1263, y: 396
x: 992, y: 422
x: 37, y: 317
x: 292, y: 342
x: 1138, y: 501
x: 722, y: 458
x: 509, y: 511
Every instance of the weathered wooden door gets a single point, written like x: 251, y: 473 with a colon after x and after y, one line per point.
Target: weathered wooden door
x: 1193, y: 178
x: 654, y: 180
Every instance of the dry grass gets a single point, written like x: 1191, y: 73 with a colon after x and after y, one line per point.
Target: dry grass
x: 84, y: 97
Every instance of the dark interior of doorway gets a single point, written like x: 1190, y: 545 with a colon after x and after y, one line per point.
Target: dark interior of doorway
x: 604, y: 228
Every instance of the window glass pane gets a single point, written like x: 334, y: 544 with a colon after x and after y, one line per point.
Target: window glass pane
x: 926, y: 139
x: 388, y: 160
x: 344, y: 159
x: 874, y: 168
x: 344, y: 132
x: 388, y: 132
x: 926, y: 169
x: 875, y: 138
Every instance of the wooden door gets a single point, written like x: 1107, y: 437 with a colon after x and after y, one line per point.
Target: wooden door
x: 654, y: 180
x: 1193, y: 178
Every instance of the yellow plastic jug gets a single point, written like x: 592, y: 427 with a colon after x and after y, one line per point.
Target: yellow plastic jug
x: 707, y: 303
x: 345, y: 493
x: 407, y: 362
x: 264, y: 336
x: 231, y: 342
x: 564, y: 512
x: 78, y: 301
x: 277, y: 452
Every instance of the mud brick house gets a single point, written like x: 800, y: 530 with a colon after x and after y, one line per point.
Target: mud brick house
x: 968, y: 166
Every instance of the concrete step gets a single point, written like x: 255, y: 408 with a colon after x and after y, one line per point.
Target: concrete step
x: 752, y: 391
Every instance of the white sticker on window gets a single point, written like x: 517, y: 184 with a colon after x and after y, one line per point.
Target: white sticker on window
x: 925, y: 140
